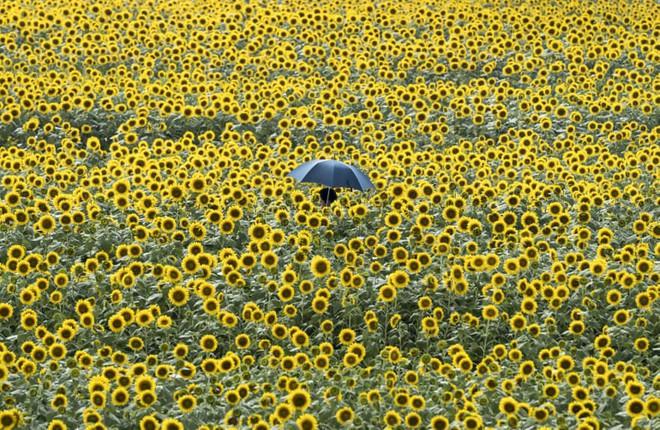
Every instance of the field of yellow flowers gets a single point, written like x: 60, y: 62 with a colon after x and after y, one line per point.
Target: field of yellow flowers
x: 159, y: 270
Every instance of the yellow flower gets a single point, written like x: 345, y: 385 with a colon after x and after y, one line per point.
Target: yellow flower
x: 120, y: 396
x: 347, y: 336
x: 450, y: 213
x: 299, y: 399
x: 387, y: 293
x: 344, y: 415
x: 116, y: 323
x: 189, y: 264
x: 187, y: 403
x: 490, y: 312
x: 393, y: 219
x: 398, y: 279
x: 283, y: 412
x: 307, y: 422
x: 16, y: 252
x: 53, y: 425
x: 242, y: 341
x: 299, y: 338
x: 551, y: 391
x: 641, y: 344
x: 518, y: 322
x: 439, y: 422
x: 269, y: 259
x: 286, y: 293
x: 508, y: 406
x: 320, y: 305
x: 208, y: 343
x: 392, y: 418
x: 320, y: 266
x: 171, y: 424
x: 635, y: 407
x: 528, y: 305
x: 98, y: 399
x: 178, y: 295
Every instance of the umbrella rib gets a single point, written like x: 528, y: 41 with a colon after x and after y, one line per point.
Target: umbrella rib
x: 332, y: 178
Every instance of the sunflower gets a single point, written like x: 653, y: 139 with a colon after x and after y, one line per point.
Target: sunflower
x: 173, y: 275
x: 387, y: 293
x: 644, y: 266
x: 299, y: 338
x: 289, y: 277
x: 286, y: 293
x: 189, y: 264
x: 393, y: 219
x: 180, y: 350
x: 320, y: 266
x: 344, y: 415
x: 171, y: 424
x: 116, y: 323
x: 450, y: 213
x: 163, y: 371
x: 508, y: 406
x: 320, y: 305
x: 425, y: 303
x: 242, y: 341
x: 613, y: 297
x: 45, y: 224
x: 321, y: 362
x: 208, y: 343
x: 120, y: 397
x: 641, y: 344
x: 392, y: 418
x: 53, y: 425
x: 621, y: 317
x: 197, y: 231
x: 167, y: 224
x: 565, y: 363
x: 248, y: 260
x: 490, y: 312
x: 146, y: 398
x: 187, y: 403
x: 299, y: 399
x: 635, y: 407
x: 511, y: 266
x: 551, y: 391
x: 98, y: 399
x: 417, y: 403
x: 258, y: 232
x: 528, y: 305
x: 16, y: 252
x: 526, y: 369
x: 347, y: 336
x: 653, y: 406
x: 398, y: 279
x: 283, y: 412
x: 269, y: 260
x: 209, y: 366
x: 135, y: 343
x: 61, y: 280
x: 307, y: 422
x: 635, y: 389
x: 178, y: 296
x: 226, y: 226
x: 643, y: 300
x: 400, y: 254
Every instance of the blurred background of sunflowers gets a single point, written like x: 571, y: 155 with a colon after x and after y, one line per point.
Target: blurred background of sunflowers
x: 158, y: 270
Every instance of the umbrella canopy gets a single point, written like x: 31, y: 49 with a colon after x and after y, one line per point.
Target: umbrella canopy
x: 332, y: 173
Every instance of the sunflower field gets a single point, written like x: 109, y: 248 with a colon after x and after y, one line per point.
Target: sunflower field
x: 159, y: 270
